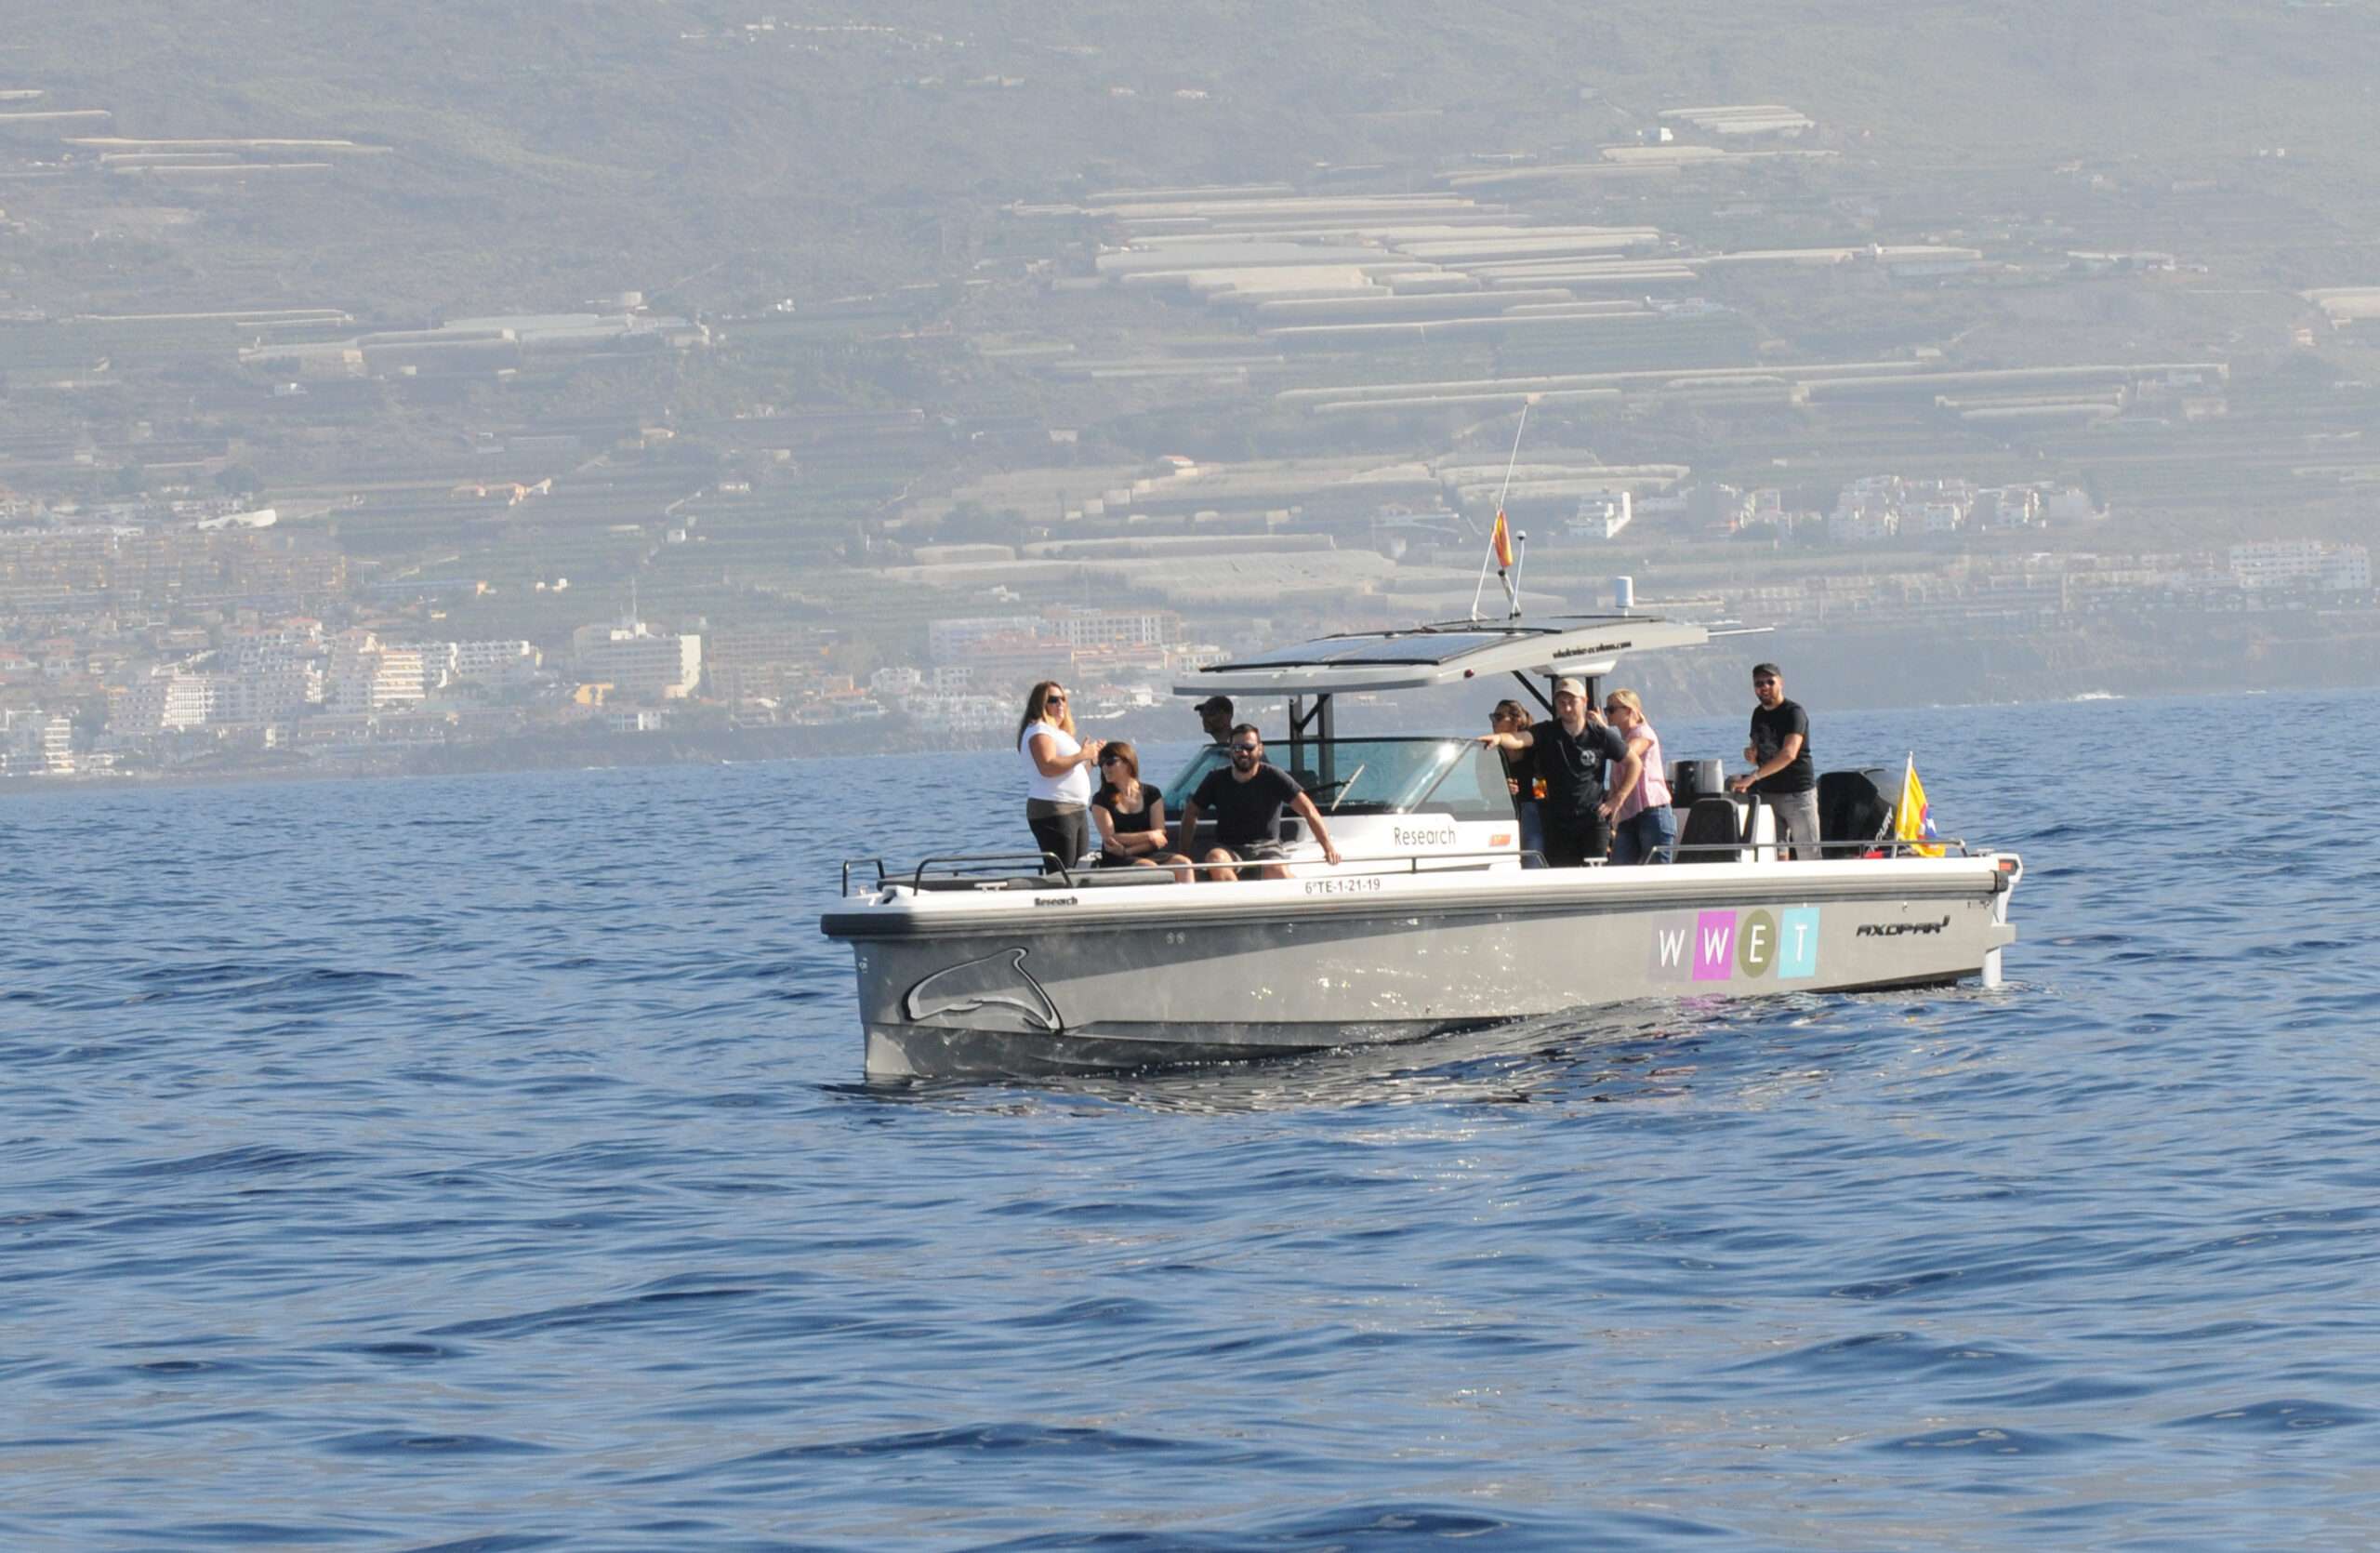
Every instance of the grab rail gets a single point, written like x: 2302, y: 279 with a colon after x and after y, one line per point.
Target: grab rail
x: 1890, y: 846
x: 1046, y: 872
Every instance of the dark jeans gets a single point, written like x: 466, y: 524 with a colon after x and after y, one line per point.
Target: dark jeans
x: 1065, y: 837
x: 1532, y: 820
x: 1572, y: 840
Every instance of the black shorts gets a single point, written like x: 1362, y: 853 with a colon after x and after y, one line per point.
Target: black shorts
x: 1260, y: 852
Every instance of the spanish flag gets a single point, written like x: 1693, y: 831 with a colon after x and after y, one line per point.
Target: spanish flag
x: 1912, y: 817
x: 1500, y: 539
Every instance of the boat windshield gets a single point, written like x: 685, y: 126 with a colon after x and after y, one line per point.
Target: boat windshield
x: 1376, y: 776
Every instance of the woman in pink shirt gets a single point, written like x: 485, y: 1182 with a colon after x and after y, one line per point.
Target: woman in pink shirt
x: 1636, y: 800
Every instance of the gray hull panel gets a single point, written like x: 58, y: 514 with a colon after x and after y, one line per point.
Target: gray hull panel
x: 931, y: 1051
x: 1125, y: 990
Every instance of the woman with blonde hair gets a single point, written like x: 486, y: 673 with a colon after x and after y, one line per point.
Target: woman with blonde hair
x: 1643, y: 828
x: 1058, y: 769
x: 1131, y: 815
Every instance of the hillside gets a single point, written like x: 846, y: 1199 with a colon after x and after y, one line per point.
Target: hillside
x: 725, y: 152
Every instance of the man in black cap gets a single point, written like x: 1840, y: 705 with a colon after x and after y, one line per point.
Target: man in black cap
x: 1214, y: 715
x: 1569, y: 752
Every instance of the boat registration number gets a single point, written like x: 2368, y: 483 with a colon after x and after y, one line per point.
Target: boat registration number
x: 1365, y: 886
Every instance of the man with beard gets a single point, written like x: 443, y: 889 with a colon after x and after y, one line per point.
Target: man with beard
x: 1246, y: 801
x: 1569, y: 752
x: 1781, y: 771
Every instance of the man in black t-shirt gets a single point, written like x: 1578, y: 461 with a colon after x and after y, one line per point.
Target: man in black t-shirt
x: 1782, y: 772
x: 1246, y: 801
x: 1569, y: 752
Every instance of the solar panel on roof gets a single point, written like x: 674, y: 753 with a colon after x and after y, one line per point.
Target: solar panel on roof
x: 1410, y: 647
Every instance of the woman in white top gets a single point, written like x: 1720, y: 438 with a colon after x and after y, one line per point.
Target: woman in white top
x: 1058, y: 775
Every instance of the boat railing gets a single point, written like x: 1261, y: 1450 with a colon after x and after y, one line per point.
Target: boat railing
x: 1011, y: 870
x: 999, y: 870
x: 955, y: 865
x: 1867, y: 848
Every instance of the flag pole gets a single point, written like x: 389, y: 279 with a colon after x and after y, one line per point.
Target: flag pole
x: 1514, y: 459
x: 1520, y: 565
x: 1512, y: 594
x: 1902, y: 824
x: 1475, y: 592
x: 1495, y: 529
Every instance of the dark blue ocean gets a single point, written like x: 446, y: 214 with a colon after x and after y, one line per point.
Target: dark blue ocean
x: 485, y: 1162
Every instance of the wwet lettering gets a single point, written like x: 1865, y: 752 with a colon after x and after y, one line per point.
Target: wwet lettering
x: 1737, y: 946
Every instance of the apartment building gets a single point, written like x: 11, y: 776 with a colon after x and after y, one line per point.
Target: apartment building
x: 35, y: 743
x: 2307, y: 563
x: 366, y: 676
x: 637, y: 662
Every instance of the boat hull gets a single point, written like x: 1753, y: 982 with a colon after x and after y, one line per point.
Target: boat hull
x: 1051, y: 980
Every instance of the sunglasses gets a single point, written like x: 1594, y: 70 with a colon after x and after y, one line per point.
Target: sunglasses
x: 1110, y: 760
x: 1054, y: 700
x: 1757, y: 684
x: 1246, y: 749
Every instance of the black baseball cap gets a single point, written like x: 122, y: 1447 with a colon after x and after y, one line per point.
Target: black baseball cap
x: 1213, y: 703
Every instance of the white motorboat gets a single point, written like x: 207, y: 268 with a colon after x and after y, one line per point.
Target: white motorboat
x: 1431, y: 922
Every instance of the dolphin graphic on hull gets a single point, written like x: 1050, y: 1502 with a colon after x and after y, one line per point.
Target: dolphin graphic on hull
x: 994, y: 993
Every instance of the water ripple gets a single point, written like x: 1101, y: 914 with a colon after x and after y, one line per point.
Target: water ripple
x: 484, y: 1163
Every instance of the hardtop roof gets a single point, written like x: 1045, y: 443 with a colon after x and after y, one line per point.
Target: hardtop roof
x: 1443, y: 654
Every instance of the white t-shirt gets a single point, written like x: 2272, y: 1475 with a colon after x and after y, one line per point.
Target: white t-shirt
x: 1072, y: 787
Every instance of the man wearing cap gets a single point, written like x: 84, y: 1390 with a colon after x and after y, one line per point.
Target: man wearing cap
x: 1570, y: 754
x: 1214, y: 715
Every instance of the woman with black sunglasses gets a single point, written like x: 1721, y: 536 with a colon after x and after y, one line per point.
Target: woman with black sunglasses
x: 1131, y: 815
x: 1058, y: 770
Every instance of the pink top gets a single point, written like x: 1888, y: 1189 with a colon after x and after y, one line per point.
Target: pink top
x: 1652, y: 788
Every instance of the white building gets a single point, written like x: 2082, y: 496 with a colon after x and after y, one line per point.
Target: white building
x: 1093, y: 630
x: 636, y: 662
x: 966, y: 714
x: 448, y: 663
x: 2307, y: 564
x: 172, y: 698
x: 36, y: 743
x: 2013, y: 507
x: 496, y: 660
x: 1863, y: 526
x: 948, y: 640
x: 269, y: 694
x: 2071, y: 504
x: 365, y: 676
x: 1867, y: 511
x: 437, y: 662
x: 1601, y: 515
